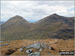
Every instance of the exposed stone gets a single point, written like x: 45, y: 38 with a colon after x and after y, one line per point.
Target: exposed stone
x: 39, y: 45
x: 35, y: 49
x: 36, y: 45
x: 29, y: 51
x: 40, y: 49
x: 34, y: 54
x: 43, y: 45
x: 22, y: 49
x: 50, y: 47
x: 30, y: 54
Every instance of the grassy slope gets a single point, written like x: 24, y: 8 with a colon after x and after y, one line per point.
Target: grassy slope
x: 53, y: 26
x: 67, y: 45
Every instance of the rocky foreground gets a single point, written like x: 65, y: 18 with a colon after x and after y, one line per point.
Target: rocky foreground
x: 45, y: 47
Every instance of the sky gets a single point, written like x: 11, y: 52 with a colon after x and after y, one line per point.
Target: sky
x: 33, y: 11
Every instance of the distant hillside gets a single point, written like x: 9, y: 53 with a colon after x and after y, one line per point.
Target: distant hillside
x: 53, y: 26
x: 1, y: 22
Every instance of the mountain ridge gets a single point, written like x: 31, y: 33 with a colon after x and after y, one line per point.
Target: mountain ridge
x: 52, y: 26
x: 42, y: 18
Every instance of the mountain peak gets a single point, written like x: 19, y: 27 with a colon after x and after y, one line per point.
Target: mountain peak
x: 55, y: 14
x: 16, y: 20
x: 17, y: 17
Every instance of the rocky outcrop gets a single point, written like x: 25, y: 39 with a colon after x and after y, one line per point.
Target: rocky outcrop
x: 34, y: 54
x: 35, y: 49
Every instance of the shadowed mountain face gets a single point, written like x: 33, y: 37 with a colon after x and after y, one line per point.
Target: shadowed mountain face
x: 53, y: 26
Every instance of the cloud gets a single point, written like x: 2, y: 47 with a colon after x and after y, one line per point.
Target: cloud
x: 35, y: 10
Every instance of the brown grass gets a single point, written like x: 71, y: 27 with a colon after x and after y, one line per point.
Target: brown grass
x: 58, y: 45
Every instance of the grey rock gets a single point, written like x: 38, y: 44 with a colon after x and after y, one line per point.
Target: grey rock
x: 34, y: 54
x: 21, y: 49
x: 36, y: 45
x: 29, y: 51
x: 49, y: 47
x: 44, y: 45
x: 30, y: 54
x: 40, y: 49
x: 39, y: 46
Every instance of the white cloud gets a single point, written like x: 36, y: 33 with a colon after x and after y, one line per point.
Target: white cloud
x: 35, y: 10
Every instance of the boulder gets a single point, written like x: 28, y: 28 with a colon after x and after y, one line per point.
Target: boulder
x: 34, y: 54
x: 44, y: 45
x: 22, y: 49
x: 36, y: 45
x: 40, y: 49
x: 50, y: 47
x: 29, y: 51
